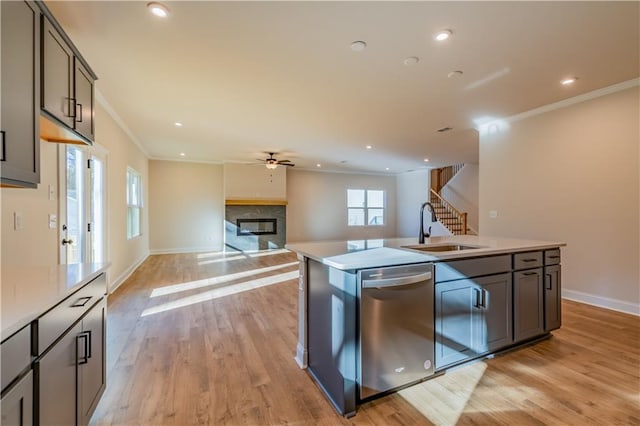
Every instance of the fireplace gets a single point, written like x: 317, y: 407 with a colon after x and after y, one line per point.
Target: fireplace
x: 257, y: 226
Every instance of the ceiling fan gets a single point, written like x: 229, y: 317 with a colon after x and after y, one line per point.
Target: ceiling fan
x: 273, y: 163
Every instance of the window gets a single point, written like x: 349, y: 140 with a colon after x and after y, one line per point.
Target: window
x: 365, y: 207
x: 134, y: 203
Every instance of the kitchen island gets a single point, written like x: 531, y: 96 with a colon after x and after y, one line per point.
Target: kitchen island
x: 456, y: 298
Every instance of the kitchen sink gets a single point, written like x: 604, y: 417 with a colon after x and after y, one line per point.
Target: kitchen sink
x: 439, y: 248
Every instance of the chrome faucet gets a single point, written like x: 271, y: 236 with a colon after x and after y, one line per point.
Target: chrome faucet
x: 433, y: 219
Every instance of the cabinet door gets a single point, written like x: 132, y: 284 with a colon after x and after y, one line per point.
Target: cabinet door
x: 20, y: 137
x: 494, y: 328
x: 552, y: 298
x: 83, y: 88
x: 456, y: 313
x: 57, y: 372
x: 529, y: 304
x: 57, y: 76
x: 17, y: 405
x: 91, y: 364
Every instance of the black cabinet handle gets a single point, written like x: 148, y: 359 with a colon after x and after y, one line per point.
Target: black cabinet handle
x: 3, y: 152
x: 71, y: 101
x: 79, y: 120
x: 81, y: 302
x: 477, y: 301
x: 484, y: 299
x: 553, y: 257
x: 549, y: 283
x: 529, y: 273
x: 529, y: 260
x: 84, y: 358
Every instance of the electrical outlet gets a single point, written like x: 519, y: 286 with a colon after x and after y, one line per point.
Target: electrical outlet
x: 493, y: 214
x: 17, y: 221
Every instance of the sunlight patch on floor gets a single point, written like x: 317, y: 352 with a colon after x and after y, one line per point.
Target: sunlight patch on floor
x: 206, y: 282
x: 437, y: 402
x: 221, y: 292
x: 239, y: 255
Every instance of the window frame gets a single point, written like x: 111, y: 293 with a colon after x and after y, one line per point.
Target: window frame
x: 367, y: 208
x: 134, y: 204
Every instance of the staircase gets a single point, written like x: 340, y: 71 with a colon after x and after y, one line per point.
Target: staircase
x: 449, y: 216
x: 455, y: 221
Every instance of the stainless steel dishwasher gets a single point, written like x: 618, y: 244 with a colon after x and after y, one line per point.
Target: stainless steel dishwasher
x: 396, y: 345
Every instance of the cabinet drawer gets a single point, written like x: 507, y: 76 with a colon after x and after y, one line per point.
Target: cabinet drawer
x: 16, y: 355
x: 527, y: 260
x: 54, y: 323
x: 460, y: 269
x: 552, y: 257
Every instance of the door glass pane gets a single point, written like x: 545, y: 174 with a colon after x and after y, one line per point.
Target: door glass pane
x: 97, y: 211
x: 75, y: 219
x: 375, y: 198
x: 356, y: 217
x: 355, y: 198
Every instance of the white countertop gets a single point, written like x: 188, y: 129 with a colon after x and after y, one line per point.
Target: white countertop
x: 360, y: 254
x: 27, y: 292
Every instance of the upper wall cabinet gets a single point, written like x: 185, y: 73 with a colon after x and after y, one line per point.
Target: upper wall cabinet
x: 67, y: 81
x: 20, y: 134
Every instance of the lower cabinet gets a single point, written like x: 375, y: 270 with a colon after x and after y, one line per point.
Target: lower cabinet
x: 72, y: 372
x: 473, y: 317
x: 528, y: 304
x: 17, y: 405
x: 552, y: 297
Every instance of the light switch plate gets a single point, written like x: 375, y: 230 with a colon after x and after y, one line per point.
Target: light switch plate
x: 17, y: 221
x: 493, y: 214
x: 53, y: 221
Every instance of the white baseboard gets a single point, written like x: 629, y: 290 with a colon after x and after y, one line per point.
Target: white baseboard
x: 126, y: 274
x: 186, y: 250
x: 603, y: 302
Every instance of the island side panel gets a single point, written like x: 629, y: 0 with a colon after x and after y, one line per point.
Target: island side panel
x: 331, y: 335
x: 302, y: 350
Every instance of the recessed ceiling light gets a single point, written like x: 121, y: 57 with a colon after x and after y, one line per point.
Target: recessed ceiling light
x: 158, y: 9
x: 318, y: 165
x: 411, y: 60
x: 182, y: 154
x: 386, y: 168
x: 568, y: 81
x: 369, y: 147
x: 358, y: 46
x: 426, y: 160
x: 443, y: 35
x: 177, y: 124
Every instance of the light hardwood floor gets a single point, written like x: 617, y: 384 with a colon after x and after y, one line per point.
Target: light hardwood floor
x: 189, y: 343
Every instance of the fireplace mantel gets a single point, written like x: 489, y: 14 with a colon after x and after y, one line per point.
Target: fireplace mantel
x: 255, y: 202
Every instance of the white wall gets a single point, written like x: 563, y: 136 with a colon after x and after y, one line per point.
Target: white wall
x: 571, y: 175
x: 35, y: 244
x: 462, y: 193
x: 254, y: 181
x: 186, y: 207
x: 317, y: 206
x: 412, y: 189
x: 125, y: 255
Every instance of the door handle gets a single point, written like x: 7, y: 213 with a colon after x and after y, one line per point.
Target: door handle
x: 396, y: 282
x: 3, y: 151
x: 78, y: 120
x: 82, y: 342
x: 67, y: 241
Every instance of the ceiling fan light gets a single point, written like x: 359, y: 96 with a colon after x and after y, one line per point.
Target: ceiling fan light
x: 272, y: 166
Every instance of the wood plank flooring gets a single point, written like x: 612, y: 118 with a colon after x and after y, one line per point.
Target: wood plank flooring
x: 195, y: 339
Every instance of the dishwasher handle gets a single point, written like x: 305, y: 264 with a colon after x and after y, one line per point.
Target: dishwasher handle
x: 396, y: 282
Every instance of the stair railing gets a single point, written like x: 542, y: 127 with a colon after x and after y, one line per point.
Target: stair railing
x: 460, y: 217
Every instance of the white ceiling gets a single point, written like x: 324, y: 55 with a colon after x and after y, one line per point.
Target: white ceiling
x: 249, y: 77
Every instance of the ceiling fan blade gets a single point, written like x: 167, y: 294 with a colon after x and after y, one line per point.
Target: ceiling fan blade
x: 283, y: 161
x: 287, y: 164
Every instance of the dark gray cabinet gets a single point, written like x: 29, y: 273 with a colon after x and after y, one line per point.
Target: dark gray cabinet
x: 552, y: 290
x: 20, y: 134
x: 72, y: 372
x: 67, y: 83
x: 16, y: 406
x: 528, y: 304
x: 473, y: 317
